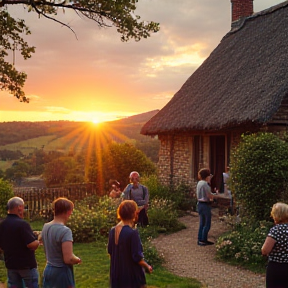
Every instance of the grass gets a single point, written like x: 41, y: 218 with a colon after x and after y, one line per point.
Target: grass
x: 50, y: 143
x: 29, y: 146
x: 94, y: 270
x: 6, y: 164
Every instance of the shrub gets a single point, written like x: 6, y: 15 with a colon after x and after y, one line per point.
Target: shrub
x: 6, y: 192
x: 163, y: 215
x: 243, y: 244
x: 259, y: 173
x: 156, y: 189
x: 182, y: 195
x: 93, y: 218
x: 151, y: 254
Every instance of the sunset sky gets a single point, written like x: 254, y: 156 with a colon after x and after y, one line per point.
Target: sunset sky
x: 99, y: 78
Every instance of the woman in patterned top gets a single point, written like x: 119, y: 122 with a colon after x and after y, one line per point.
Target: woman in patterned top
x: 276, y: 248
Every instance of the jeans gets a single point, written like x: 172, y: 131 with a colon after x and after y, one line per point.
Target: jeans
x: 22, y: 278
x: 204, y: 211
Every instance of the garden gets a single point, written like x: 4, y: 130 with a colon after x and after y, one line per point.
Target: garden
x: 259, y: 174
x: 258, y: 179
x: 91, y: 222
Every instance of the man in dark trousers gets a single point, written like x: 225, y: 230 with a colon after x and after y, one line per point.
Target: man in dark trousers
x: 18, y: 242
x: 139, y: 193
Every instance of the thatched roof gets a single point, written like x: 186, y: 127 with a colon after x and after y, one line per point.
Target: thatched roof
x: 242, y: 82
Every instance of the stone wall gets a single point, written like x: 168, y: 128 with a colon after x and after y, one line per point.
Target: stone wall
x: 164, y: 169
x: 175, y: 159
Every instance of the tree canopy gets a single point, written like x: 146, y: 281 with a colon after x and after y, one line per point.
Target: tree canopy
x: 106, y: 13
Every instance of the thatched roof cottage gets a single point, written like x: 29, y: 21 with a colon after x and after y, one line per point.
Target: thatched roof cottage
x: 242, y: 86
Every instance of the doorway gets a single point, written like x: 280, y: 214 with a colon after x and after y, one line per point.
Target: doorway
x: 217, y: 161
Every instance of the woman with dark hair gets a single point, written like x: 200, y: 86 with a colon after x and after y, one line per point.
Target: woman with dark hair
x: 205, y: 199
x: 58, y: 245
x: 276, y: 248
x: 127, y: 264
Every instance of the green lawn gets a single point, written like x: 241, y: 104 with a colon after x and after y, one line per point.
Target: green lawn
x: 94, y: 271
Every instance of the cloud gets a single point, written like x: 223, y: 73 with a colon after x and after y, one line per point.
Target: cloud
x: 60, y: 110
x: 97, y: 72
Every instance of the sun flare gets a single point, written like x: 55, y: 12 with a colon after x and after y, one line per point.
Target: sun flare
x: 95, y: 121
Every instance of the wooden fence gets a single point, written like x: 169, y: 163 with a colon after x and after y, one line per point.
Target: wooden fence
x: 38, y: 201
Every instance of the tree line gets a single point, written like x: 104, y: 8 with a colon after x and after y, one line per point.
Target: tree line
x: 114, y: 161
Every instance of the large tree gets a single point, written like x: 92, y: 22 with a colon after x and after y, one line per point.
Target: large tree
x: 106, y: 13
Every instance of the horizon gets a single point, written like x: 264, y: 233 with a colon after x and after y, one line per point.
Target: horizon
x: 88, y: 121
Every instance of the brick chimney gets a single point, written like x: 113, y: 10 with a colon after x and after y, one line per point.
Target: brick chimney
x: 241, y: 9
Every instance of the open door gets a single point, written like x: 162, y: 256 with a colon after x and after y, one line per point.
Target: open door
x: 217, y: 161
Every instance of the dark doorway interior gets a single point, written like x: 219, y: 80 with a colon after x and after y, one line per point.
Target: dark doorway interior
x: 217, y: 160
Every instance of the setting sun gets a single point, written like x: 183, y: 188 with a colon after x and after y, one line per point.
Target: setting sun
x: 95, y: 121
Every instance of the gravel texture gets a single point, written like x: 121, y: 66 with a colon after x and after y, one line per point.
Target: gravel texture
x: 185, y: 258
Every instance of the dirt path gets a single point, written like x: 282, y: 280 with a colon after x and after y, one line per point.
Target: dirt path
x: 185, y: 258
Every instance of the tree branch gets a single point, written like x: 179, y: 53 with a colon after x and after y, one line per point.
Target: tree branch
x: 32, y: 3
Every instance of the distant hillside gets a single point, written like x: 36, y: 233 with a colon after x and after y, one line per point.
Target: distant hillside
x: 136, y: 119
x: 14, y: 132
x: 66, y: 136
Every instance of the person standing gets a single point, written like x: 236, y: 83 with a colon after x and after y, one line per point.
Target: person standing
x: 205, y: 199
x: 18, y: 242
x: 276, y: 248
x: 115, y: 189
x: 140, y: 194
x: 58, y: 246
x: 227, y: 191
x: 127, y: 264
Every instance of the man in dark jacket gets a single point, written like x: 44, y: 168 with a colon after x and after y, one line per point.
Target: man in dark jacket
x: 18, y: 242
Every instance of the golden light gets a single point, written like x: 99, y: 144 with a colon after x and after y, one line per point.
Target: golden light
x: 92, y: 137
x: 95, y: 121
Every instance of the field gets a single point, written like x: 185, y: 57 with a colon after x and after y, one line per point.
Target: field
x: 5, y: 165
x: 47, y: 143
x: 50, y: 142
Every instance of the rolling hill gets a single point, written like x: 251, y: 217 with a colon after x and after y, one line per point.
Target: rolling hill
x: 64, y: 136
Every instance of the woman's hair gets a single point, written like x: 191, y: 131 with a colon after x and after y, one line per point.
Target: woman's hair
x: 203, y: 173
x: 62, y: 205
x: 126, y: 210
x: 279, y: 213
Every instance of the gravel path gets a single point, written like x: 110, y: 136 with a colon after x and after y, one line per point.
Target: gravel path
x: 185, y: 258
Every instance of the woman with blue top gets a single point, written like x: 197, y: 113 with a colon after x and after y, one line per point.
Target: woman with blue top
x: 276, y: 248
x: 58, y: 245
